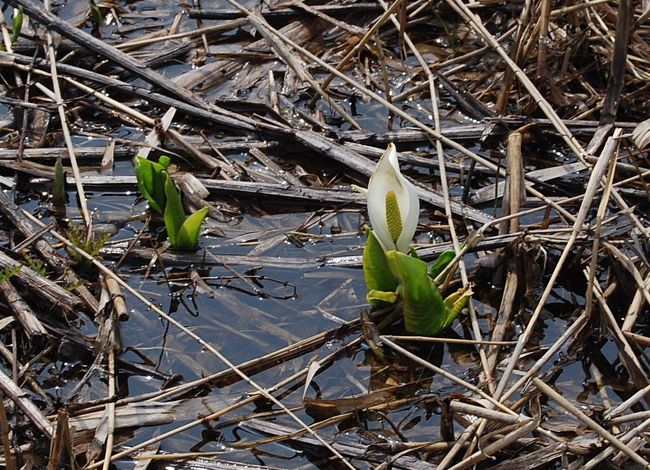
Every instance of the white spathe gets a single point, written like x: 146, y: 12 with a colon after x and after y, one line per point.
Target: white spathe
x: 387, y: 177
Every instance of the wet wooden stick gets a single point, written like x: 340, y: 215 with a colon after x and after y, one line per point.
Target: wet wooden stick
x: 595, y: 246
x: 10, y: 462
x: 466, y: 408
x: 593, y: 425
x: 545, y: 106
x: 22, y: 373
x: 19, y: 397
x: 119, y: 305
x: 41, y: 286
x: 446, y: 375
x: 201, y: 157
x: 22, y: 311
x: 53, y: 260
x: 619, y: 57
x: 513, y: 196
x: 311, y: 138
x: 626, y: 353
x: 357, y: 47
x: 585, y: 207
x: 515, y: 193
x: 288, y: 57
x: 83, y: 204
x: 53, y: 22
x: 62, y: 442
x: 110, y: 408
x: 625, y: 439
x: 571, y: 332
x: 214, y: 114
x: 501, y: 443
x: 636, y: 305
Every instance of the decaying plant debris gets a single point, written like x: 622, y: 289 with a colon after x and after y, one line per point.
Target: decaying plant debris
x: 514, y: 120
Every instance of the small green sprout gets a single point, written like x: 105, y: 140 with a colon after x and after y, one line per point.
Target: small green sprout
x: 182, y: 231
x: 95, y: 13
x: 8, y: 272
x: 151, y: 179
x: 17, y: 25
x: 92, y: 244
x: 36, y: 265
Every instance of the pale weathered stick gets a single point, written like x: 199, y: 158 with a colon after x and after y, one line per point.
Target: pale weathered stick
x: 590, y: 191
x: 627, y: 403
x: 66, y: 130
x: 445, y: 374
x: 19, y: 397
x: 466, y: 408
x: 597, y: 428
x: 496, y: 446
x: 22, y: 311
x: 10, y: 462
x: 627, y: 437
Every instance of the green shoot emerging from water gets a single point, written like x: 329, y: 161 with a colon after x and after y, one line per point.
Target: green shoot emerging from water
x: 182, y: 231
x: 92, y: 244
x: 95, y: 14
x: 151, y: 178
x: 17, y: 25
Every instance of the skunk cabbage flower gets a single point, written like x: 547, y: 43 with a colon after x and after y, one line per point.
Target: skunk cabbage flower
x: 393, y: 204
x: 391, y: 270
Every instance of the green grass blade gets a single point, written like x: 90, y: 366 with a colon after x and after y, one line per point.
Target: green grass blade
x: 95, y: 13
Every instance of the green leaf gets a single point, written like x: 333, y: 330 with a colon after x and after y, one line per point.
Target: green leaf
x: 455, y: 303
x: 144, y: 175
x: 424, y: 308
x: 383, y: 297
x: 164, y: 162
x: 151, y: 179
x: 441, y: 263
x: 96, y: 13
x: 375, y: 268
x: 159, y: 178
x: 188, y: 235
x: 174, y: 213
x: 17, y: 25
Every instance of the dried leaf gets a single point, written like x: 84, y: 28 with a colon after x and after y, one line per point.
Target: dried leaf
x: 641, y: 134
